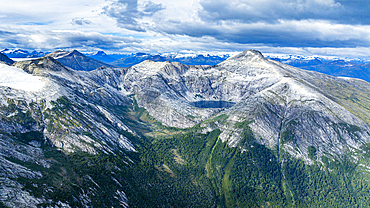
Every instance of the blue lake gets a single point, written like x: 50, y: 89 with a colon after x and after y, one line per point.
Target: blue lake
x: 212, y: 104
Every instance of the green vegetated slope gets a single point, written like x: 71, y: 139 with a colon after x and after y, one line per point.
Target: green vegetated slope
x: 251, y: 175
x: 255, y: 177
x: 187, y: 168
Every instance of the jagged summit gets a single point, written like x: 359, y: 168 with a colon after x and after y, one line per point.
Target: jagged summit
x: 75, y: 52
x: 58, y: 54
x: 248, y: 55
x: 61, y: 53
x: 272, y: 95
x: 102, y: 56
x: 100, y: 53
x: 36, y: 66
x: 5, y: 59
x: 77, y: 61
x: 251, y: 132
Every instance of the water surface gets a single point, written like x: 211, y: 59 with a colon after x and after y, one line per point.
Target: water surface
x: 212, y: 104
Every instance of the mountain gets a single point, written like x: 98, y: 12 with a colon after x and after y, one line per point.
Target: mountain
x: 355, y: 68
x: 341, y: 68
x: 299, y: 61
x: 50, y: 116
x: 5, y: 59
x: 77, y: 61
x: 247, y: 132
x: 136, y: 58
x: 102, y: 56
x: 190, y: 59
x: 19, y: 53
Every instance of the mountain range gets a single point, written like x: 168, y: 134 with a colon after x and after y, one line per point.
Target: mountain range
x: 339, y: 67
x: 76, y: 60
x: 19, y: 53
x: 190, y: 59
x: 335, y: 66
x: 247, y: 132
x: 5, y: 59
x: 355, y: 68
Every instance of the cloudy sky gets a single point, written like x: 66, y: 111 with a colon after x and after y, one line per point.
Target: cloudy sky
x: 306, y: 27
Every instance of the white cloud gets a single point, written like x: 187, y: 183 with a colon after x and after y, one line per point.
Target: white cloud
x: 80, y: 21
x: 65, y: 39
x: 196, y: 25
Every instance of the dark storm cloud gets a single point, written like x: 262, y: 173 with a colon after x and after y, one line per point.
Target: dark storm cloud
x: 97, y: 40
x: 80, y: 21
x: 270, y: 11
x: 150, y: 8
x: 287, y: 34
x: 128, y: 12
x: 9, y: 38
x: 50, y: 40
x: 287, y: 23
x: 6, y: 33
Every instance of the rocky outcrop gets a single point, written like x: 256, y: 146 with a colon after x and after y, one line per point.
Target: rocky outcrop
x: 288, y: 110
x: 287, y: 107
x: 77, y: 61
x: 5, y: 59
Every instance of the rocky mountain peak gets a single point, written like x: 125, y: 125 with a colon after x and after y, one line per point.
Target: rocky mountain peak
x: 77, y: 61
x: 5, y: 59
x: 76, y: 52
x: 100, y: 53
x: 58, y: 54
x: 248, y: 55
x: 61, y: 53
x: 259, y: 119
x: 150, y: 67
x: 36, y: 66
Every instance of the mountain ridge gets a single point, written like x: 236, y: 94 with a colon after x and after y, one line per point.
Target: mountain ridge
x: 249, y: 131
x: 5, y: 59
x: 76, y: 60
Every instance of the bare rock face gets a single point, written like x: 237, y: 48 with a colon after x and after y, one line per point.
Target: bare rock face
x: 5, y: 59
x: 71, y: 112
x: 77, y: 61
x: 38, y: 65
x: 287, y: 108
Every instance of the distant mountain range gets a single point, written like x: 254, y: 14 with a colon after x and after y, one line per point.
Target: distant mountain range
x: 19, y: 53
x: 102, y: 56
x: 247, y: 132
x: 5, y: 59
x: 77, y: 61
x: 340, y: 67
x: 127, y: 60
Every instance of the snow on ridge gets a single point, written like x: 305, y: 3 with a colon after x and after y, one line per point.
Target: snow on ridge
x: 351, y: 78
x: 295, y: 57
x: 16, y: 78
x: 150, y: 67
x: 24, y: 59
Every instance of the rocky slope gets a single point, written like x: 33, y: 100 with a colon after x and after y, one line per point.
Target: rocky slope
x: 244, y: 133
x: 69, y: 112
x: 338, y: 67
x: 102, y: 56
x: 286, y: 106
x: 189, y: 59
x: 76, y: 60
x: 5, y: 59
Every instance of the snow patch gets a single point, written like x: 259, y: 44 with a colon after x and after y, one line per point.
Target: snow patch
x: 24, y: 59
x: 16, y: 78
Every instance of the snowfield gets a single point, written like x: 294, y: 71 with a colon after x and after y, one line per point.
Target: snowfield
x: 16, y: 78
